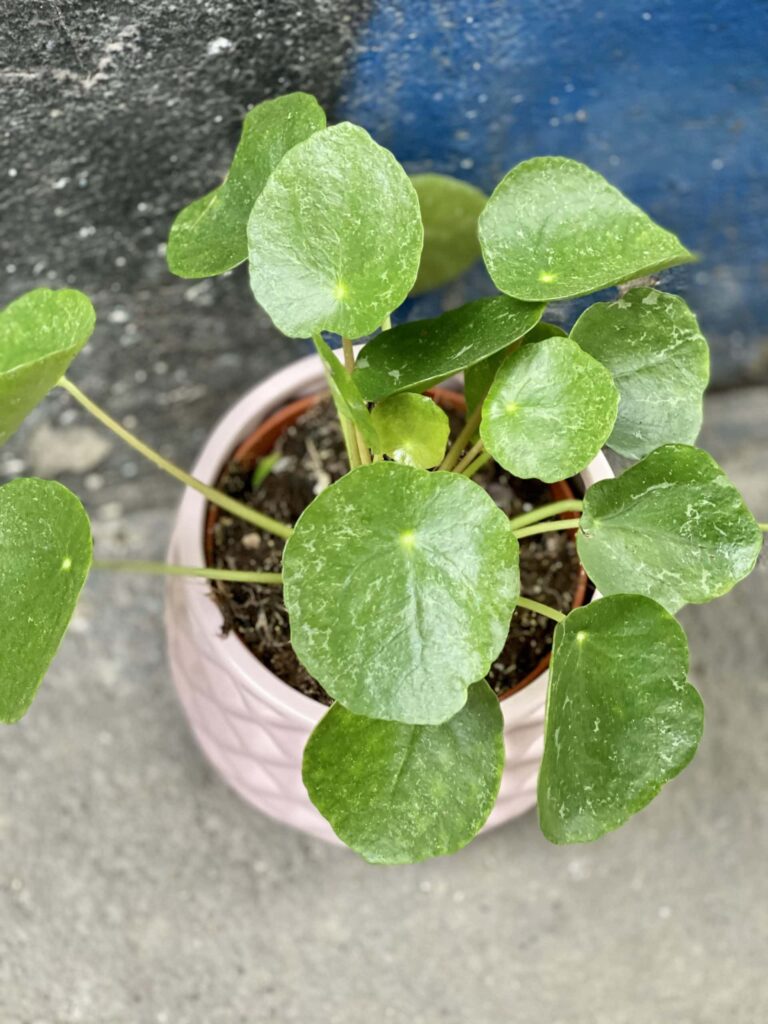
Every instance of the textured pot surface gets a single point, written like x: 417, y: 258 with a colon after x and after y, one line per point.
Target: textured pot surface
x: 250, y: 724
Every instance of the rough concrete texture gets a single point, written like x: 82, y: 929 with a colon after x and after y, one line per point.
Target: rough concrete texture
x: 136, y: 889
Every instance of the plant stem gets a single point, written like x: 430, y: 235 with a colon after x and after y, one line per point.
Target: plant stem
x: 467, y: 431
x: 763, y: 527
x: 469, y: 458
x: 387, y: 323
x: 364, y: 455
x: 541, y: 609
x: 216, y: 497
x: 163, y: 569
x: 546, y: 512
x: 479, y: 462
x: 557, y: 524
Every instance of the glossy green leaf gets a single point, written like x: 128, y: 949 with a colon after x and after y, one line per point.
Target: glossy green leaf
x: 209, y: 236
x: 622, y: 719
x: 335, y: 237
x: 672, y: 527
x: 40, y: 334
x: 412, y: 429
x: 400, y: 585
x: 659, y: 360
x: 45, y: 556
x: 400, y: 793
x: 346, y: 395
x: 449, y: 212
x: 553, y: 229
x: 478, y: 378
x: 416, y: 355
x: 550, y: 409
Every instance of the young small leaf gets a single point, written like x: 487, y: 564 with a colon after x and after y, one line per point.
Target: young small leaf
x: 449, y: 212
x: 416, y: 355
x: 673, y: 527
x: 554, y: 229
x: 335, y: 236
x: 209, y: 236
x: 346, y: 396
x: 622, y: 718
x: 264, y: 467
x: 659, y: 359
x: 398, y: 793
x: 400, y: 585
x: 40, y: 334
x: 412, y: 429
x: 45, y: 556
x: 478, y: 377
x: 549, y: 410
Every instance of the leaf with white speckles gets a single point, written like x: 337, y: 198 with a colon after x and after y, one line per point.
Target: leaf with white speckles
x: 399, y: 793
x: 622, y: 718
x: 40, y: 334
x: 400, y: 585
x: 416, y: 355
x: 335, y: 237
x: 554, y: 229
x: 45, y: 556
x: 449, y: 212
x: 209, y: 236
x: 412, y: 429
x: 673, y: 527
x: 549, y: 410
x: 659, y: 359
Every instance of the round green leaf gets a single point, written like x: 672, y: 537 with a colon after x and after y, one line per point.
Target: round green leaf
x: 400, y: 585
x: 659, y: 360
x: 346, y: 396
x: 416, y: 355
x: 672, y: 527
x: 335, y: 237
x: 449, y: 212
x: 398, y: 793
x: 622, y: 719
x: 478, y: 377
x: 549, y: 410
x: 412, y: 429
x: 40, y: 334
x: 209, y: 236
x: 45, y: 556
x: 553, y: 229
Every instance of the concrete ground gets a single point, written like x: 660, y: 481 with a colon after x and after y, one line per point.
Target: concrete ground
x: 134, y: 887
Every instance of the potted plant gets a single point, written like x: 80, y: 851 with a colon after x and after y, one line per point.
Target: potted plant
x: 401, y: 577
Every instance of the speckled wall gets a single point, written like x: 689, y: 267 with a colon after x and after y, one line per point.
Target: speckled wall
x: 116, y: 113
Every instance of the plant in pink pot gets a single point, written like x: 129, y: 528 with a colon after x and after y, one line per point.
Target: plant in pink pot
x: 405, y: 565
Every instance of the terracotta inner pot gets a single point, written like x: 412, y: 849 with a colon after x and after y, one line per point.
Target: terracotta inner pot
x: 263, y: 440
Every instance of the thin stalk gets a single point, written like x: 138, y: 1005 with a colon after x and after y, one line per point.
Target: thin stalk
x: 479, y: 462
x: 536, y: 528
x: 163, y: 569
x: 215, y: 496
x: 469, y: 458
x: 763, y: 527
x: 387, y: 323
x: 541, y: 609
x: 467, y: 431
x: 546, y: 512
x: 347, y: 428
x: 364, y: 455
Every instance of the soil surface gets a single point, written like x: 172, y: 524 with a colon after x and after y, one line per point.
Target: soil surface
x: 311, y: 456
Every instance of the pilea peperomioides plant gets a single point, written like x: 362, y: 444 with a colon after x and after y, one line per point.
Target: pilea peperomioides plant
x: 401, y: 579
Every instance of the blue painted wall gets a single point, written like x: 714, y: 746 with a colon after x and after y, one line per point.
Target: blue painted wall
x: 668, y: 99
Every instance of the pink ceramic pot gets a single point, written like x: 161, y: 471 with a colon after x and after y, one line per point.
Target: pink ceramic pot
x: 250, y: 724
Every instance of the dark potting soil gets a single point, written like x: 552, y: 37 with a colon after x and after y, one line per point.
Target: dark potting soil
x: 312, y: 456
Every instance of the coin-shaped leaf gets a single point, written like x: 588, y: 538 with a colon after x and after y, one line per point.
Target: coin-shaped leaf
x: 554, y: 229
x: 549, y: 410
x: 672, y: 527
x: 622, y: 718
x: 209, y: 236
x: 416, y: 355
x: 40, y: 334
x: 346, y: 395
x: 45, y: 556
x: 478, y: 377
x: 400, y: 585
x: 659, y: 359
x: 412, y: 429
x: 400, y: 793
x: 449, y: 212
x: 335, y: 237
